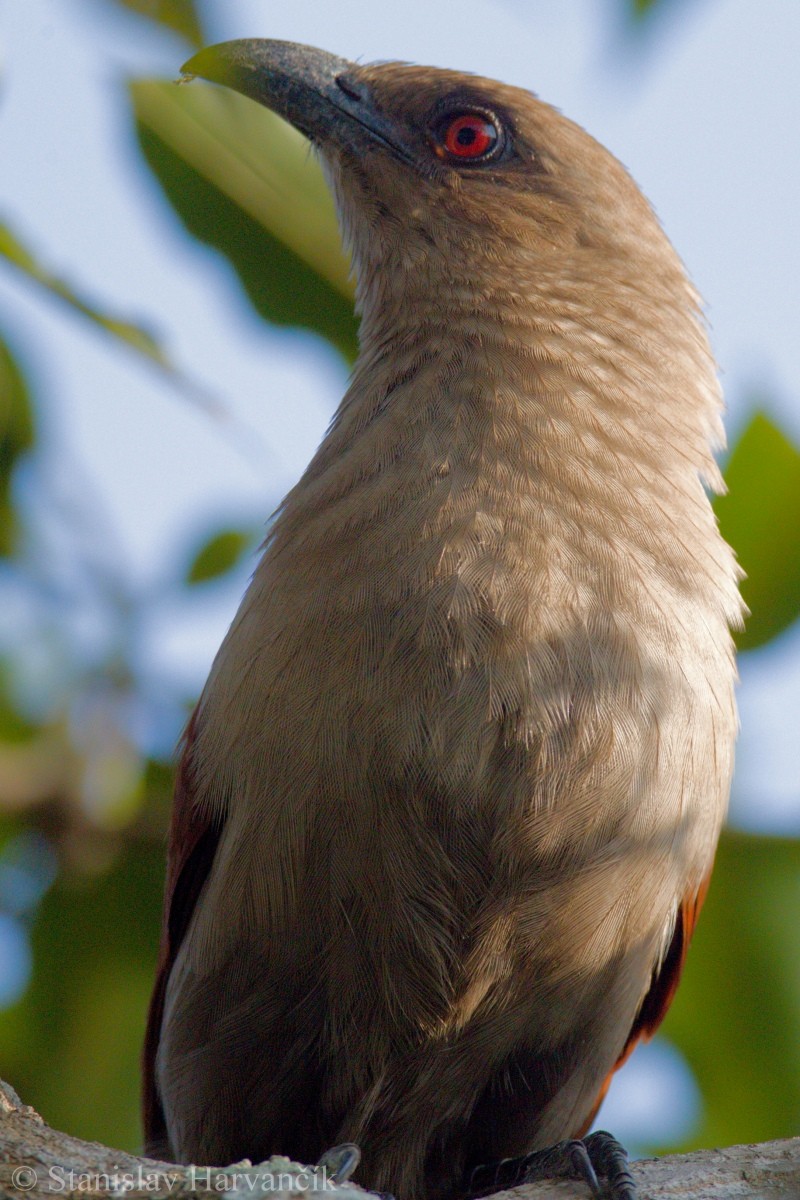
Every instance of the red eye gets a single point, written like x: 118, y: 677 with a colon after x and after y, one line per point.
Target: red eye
x: 469, y: 136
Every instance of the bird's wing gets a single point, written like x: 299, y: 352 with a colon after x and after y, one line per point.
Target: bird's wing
x: 193, y: 840
x: 662, y: 989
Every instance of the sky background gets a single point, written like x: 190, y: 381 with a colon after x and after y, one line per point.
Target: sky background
x: 704, y: 110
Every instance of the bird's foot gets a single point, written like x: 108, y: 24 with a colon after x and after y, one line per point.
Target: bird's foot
x: 340, y: 1162
x: 599, y: 1154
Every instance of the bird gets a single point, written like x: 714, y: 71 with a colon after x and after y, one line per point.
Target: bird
x: 448, y: 805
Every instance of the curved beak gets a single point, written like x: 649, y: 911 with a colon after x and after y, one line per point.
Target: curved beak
x: 319, y: 93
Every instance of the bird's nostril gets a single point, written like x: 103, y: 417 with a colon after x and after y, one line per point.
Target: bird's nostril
x: 353, y: 90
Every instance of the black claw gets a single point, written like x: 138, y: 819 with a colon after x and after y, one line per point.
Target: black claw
x: 340, y: 1161
x: 582, y: 1165
x: 598, y: 1154
x: 611, y: 1159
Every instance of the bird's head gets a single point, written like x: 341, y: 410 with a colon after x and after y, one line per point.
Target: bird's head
x: 435, y: 166
x: 513, y: 283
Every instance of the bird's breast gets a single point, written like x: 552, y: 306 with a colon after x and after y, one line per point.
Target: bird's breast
x: 477, y: 578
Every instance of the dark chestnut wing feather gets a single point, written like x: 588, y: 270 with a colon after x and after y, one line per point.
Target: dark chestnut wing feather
x: 662, y: 990
x: 193, y: 842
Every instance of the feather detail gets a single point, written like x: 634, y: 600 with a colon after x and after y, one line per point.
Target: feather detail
x: 193, y: 839
x: 662, y: 991
x: 467, y: 745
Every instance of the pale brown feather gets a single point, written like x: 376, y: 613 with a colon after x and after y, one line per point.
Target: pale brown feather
x: 468, y: 741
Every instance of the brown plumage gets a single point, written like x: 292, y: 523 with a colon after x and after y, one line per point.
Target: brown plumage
x: 450, y: 799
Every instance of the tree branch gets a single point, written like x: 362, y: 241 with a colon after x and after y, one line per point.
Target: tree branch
x: 37, y: 1162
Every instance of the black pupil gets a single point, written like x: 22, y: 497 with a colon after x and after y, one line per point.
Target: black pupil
x: 467, y: 135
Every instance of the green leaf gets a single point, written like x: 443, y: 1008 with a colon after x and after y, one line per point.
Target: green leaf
x: 244, y: 182
x: 134, y: 337
x: 178, y: 15
x: 219, y: 555
x: 736, y: 1016
x: 760, y: 517
x: 16, y: 436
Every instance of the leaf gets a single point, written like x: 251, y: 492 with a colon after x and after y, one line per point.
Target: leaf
x: 736, y: 1017
x: 133, y: 336
x: 760, y: 517
x: 219, y: 555
x: 244, y: 182
x: 178, y: 15
x: 16, y: 436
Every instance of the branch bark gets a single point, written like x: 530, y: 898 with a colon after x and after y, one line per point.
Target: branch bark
x: 38, y: 1163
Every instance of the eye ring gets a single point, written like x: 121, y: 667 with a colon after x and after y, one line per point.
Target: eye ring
x: 468, y: 136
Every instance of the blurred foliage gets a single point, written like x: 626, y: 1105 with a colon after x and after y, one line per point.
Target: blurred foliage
x: 16, y: 436
x: 220, y: 554
x: 84, y: 806
x: 736, y: 1016
x: 640, y: 9
x: 134, y: 337
x: 83, y: 1011
x: 181, y: 16
x: 759, y: 517
x: 243, y: 181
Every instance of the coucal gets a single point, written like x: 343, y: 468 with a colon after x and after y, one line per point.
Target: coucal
x: 448, y: 805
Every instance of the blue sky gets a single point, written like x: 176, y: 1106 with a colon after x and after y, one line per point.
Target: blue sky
x: 705, y: 114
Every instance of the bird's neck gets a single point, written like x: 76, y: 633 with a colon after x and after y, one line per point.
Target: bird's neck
x: 479, y: 427
x: 489, y: 497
